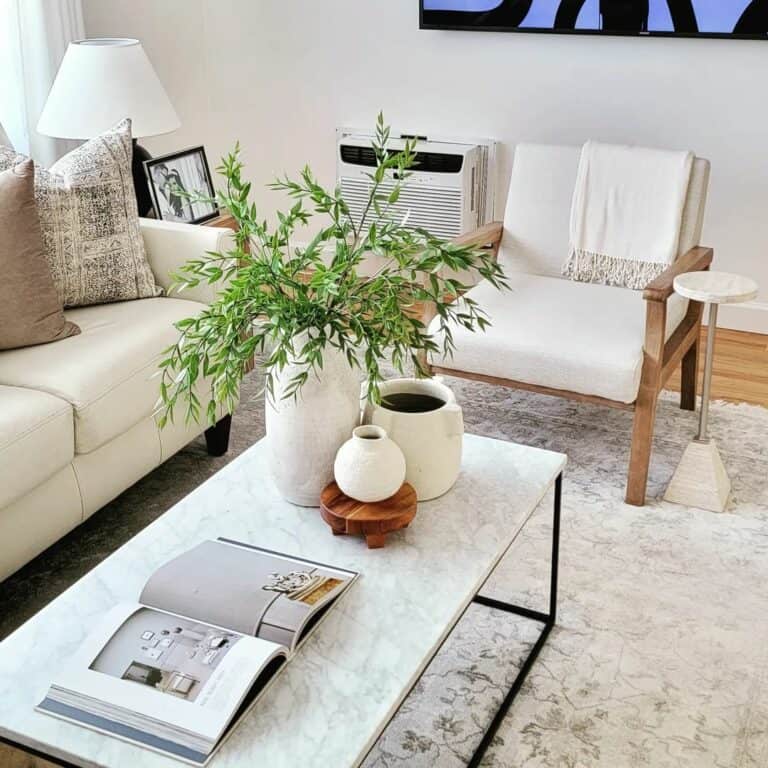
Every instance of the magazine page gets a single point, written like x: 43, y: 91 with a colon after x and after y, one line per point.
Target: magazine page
x: 152, y: 671
x: 249, y: 590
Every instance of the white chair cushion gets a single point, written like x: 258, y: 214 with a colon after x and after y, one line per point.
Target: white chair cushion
x: 695, y: 204
x: 36, y: 440
x: 107, y: 372
x: 537, y: 215
x: 560, y: 334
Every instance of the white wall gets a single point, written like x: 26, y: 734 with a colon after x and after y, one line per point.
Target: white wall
x: 280, y: 75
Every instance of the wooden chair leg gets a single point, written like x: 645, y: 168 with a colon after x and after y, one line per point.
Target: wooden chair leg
x: 688, y: 378
x: 642, y: 440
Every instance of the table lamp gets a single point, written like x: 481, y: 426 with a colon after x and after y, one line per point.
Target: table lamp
x: 99, y: 83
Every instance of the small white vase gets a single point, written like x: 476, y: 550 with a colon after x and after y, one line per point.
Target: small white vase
x: 305, y: 432
x: 369, y: 466
x: 431, y: 440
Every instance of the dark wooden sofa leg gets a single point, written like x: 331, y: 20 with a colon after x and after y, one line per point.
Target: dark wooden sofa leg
x: 688, y: 378
x: 217, y: 437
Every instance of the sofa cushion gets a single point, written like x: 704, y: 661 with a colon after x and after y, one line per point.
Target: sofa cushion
x: 90, y: 223
x: 36, y: 440
x: 560, y: 334
x: 107, y: 372
x: 30, y: 310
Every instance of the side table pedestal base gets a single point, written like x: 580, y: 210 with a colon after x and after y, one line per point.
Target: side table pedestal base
x: 700, y: 479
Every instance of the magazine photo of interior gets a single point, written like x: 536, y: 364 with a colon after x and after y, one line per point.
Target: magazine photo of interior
x: 169, y: 653
x: 258, y: 593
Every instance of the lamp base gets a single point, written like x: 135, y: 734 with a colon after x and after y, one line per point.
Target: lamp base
x: 140, y: 184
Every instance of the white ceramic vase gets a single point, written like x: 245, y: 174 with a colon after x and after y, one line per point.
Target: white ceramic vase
x: 430, y: 440
x: 369, y: 466
x: 306, y: 432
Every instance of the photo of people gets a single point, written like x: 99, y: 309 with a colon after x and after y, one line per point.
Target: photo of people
x: 689, y: 17
x: 173, y: 655
x: 177, y: 182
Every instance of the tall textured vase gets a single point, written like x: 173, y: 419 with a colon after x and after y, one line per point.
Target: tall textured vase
x: 305, y: 432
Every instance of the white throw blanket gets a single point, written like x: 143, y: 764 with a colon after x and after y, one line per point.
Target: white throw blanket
x: 626, y: 214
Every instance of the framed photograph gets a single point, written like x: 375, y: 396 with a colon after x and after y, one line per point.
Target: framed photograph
x: 172, y: 177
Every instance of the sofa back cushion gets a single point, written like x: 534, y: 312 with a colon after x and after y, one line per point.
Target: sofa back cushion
x: 30, y: 310
x: 90, y: 223
x: 537, y: 215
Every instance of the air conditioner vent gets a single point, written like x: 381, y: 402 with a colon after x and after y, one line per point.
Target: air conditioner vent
x: 438, y: 210
x: 358, y: 155
x: 427, y: 162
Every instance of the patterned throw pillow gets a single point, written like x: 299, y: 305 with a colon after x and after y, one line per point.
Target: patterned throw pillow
x: 90, y: 223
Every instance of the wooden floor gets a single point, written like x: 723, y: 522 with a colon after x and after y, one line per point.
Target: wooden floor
x: 740, y: 370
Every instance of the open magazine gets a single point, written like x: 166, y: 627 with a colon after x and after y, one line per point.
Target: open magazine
x: 176, y: 670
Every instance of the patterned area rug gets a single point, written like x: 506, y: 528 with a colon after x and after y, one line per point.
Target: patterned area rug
x: 660, y: 656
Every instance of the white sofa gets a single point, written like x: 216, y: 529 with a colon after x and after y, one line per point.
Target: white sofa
x: 76, y: 416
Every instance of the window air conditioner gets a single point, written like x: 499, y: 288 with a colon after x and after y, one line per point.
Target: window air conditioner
x: 450, y: 190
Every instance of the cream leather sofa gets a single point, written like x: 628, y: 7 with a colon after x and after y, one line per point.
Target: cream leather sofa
x: 76, y: 423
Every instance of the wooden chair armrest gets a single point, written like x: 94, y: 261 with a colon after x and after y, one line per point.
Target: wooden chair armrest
x: 695, y: 260
x: 487, y: 236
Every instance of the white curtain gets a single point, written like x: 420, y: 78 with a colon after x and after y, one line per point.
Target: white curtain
x: 34, y: 35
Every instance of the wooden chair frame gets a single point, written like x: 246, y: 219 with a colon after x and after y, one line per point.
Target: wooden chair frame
x: 661, y: 357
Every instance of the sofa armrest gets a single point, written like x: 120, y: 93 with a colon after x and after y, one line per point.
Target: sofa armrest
x: 695, y: 260
x: 169, y: 245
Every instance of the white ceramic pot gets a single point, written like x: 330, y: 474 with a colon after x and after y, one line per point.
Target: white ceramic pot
x: 430, y: 440
x: 306, y: 432
x: 369, y: 466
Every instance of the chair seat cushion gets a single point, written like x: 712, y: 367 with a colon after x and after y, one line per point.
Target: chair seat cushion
x: 107, y: 372
x: 36, y: 440
x: 560, y: 334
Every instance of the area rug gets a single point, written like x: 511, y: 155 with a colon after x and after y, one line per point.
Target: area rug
x: 660, y: 656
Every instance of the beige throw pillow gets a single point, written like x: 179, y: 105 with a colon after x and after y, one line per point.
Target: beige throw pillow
x: 90, y: 223
x: 30, y: 310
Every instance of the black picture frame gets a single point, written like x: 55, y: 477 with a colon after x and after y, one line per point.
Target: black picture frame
x: 453, y: 20
x: 190, y: 171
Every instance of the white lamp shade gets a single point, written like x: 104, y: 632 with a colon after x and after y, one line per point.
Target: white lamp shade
x: 99, y: 83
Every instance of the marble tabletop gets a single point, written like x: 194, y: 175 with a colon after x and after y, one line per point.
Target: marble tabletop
x: 328, y: 706
x: 716, y: 287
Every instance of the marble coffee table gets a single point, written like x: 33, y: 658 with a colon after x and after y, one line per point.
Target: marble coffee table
x: 329, y: 705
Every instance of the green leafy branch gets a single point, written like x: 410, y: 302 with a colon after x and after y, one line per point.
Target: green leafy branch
x: 271, y: 293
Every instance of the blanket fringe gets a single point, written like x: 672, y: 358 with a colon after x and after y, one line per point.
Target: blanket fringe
x: 588, y: 267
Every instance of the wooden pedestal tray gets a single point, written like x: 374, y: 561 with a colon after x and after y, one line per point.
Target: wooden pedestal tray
x: 374, y: 520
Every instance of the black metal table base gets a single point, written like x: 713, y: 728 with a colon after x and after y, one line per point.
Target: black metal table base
x: 548, y: 620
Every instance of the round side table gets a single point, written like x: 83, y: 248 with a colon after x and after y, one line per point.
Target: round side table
x: 700, y: 479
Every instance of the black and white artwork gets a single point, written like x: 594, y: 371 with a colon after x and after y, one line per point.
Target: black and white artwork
x: 707, y: 18
x: 177, y: 182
